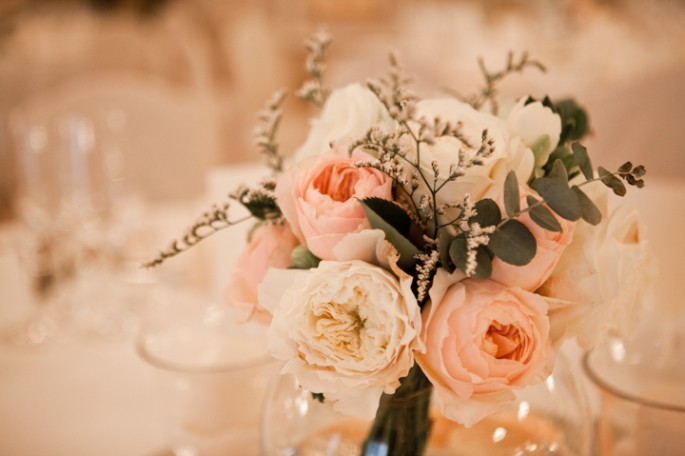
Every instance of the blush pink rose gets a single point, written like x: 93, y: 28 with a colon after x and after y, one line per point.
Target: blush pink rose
x: 550, y: 246
x: 319, y: 198
x: 482, y: 340
x: 269, y: 247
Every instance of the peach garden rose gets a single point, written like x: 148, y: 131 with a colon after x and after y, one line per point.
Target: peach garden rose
x: 319, y: 198
x: 550, y: 246
x: 482, y: 340
x: 269, y: 246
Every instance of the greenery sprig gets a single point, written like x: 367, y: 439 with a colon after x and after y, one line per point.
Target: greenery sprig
x: 314, y: 90
x: 488, y: 93
x: 265, y: 133
x: 209, y: 223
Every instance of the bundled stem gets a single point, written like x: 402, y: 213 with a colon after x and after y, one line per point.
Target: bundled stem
x: 402, y: 424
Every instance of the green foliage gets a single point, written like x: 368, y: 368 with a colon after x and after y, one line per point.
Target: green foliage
x: 318, y: 397
x: 542, y: 216
x: 389, y: 211
x: 302, y: 258
x: 487, y: 213
x: 574, y: 120
x: 513, y: 243
x: 404, y: 246
x: 583, y: 160
x: 588, y: 209
x: 512, y: 199
x: 611, y: 181
x: 558, y: 196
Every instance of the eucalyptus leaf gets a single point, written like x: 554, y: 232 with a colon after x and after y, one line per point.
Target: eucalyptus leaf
x: 583, y: 160
x: 513, y: 243
x: 404, y: 246
x: 558, y: 196
x: 444, y: 242
x: 542, y: 216
x: 558, y: 171
x: 391, y: 213
x: 589, y: 210
x: 512, y: 200
x: 458, y: 252
x: 302, y: 258
x: 611, y: 181
x: 625, y: 168
x: 483, y: 263
x: 487, y: 213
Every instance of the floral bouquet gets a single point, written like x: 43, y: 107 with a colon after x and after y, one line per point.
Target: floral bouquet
x: 448, y: 243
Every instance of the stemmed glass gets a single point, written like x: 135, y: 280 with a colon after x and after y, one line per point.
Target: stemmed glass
x: 62, y: 210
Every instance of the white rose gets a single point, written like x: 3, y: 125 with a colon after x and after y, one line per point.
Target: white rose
x: 345, y: 329
x: 538, y: 127
x: 480, y: 181
x: 348, y: 114
x: 602, y: 278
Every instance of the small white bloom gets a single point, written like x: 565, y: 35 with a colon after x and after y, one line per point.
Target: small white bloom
x: 348, y: 114
x: 538, y: 127
x: 347, y: 330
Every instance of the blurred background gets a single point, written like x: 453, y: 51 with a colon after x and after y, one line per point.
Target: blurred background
x: 121, y: 119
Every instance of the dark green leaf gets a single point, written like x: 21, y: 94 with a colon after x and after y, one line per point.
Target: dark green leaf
x: 391, y: 213
x: 639, y: 171
x: 512, y: 202
x: 513, y: 243
x: 404, y: 246
x: 625, y: 168
x: 590, y: 212
x: 543, y: 216
x: 574, y: 120
x: 558, y: 171
x: 558, y: 196
x: 458, y: 251
x: 444, y: 242
x: 302, y: 258
x: 318, y: 397
x: 484, y: 263
x: 611, y: 181
x: 560, y: 153
x: 583, y: 160
x: 487, y: 213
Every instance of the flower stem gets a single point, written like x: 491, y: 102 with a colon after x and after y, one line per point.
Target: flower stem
x: 402, y: 424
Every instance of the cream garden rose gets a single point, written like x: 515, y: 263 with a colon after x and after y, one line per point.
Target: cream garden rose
x: 345, y: 329
x: 482, y: 340
x: 348, y: 114
x: 270, y: 245
x: 603, y: 277
x: 319, y: 198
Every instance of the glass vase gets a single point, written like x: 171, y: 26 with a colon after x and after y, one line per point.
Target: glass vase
x: 552, y: 418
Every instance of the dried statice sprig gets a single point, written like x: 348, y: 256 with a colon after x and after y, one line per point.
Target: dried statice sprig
x: 488, y: 94
x: 260, y: 200
x: 265, y: 133
x: 313, y: 90
x: 427, y: 263
x: 392, y: 91
x: 209, y: 223
x: 476, y: 236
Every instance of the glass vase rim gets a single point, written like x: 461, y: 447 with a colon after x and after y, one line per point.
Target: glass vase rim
x: 608, y: 387
x: 164, y: 363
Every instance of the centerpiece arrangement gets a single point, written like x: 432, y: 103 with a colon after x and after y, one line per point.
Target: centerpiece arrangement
x: 447, y: 244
